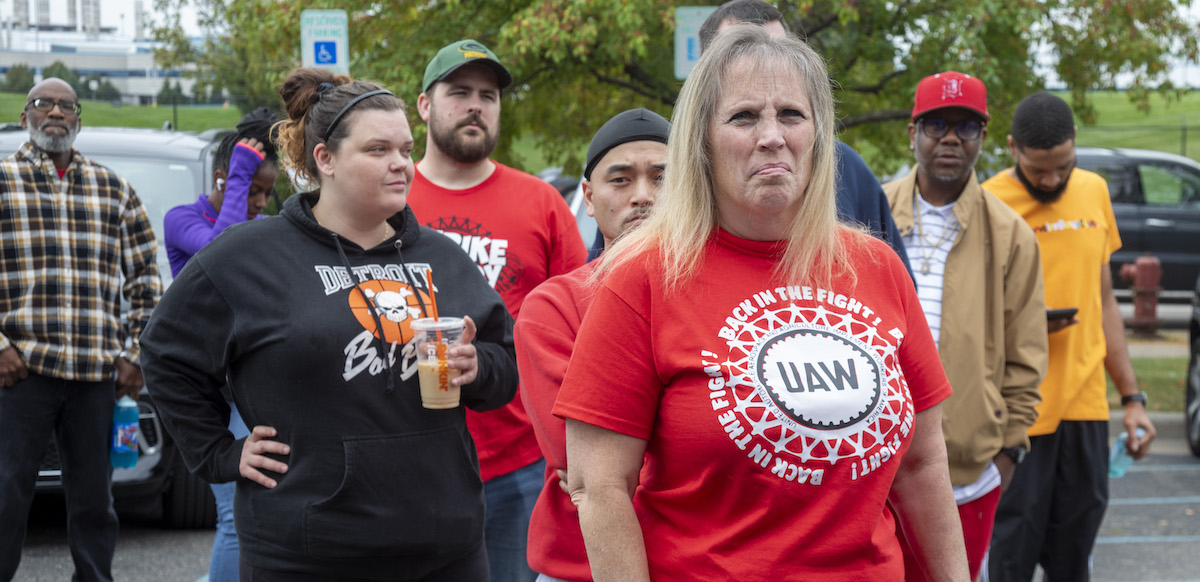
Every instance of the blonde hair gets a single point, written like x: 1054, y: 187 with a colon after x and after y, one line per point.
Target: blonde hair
x: 685, y: 211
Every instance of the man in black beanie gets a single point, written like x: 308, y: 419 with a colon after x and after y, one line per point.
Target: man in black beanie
x: 625, y: 165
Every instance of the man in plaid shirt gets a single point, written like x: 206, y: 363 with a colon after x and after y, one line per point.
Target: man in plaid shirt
x: 73, y: 238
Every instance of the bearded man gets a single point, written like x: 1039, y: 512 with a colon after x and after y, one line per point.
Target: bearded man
x: 74, y: 238
x: 1052, y: 510
x: 520, y: 232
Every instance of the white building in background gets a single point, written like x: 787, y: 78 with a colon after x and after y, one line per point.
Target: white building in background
x: 36, y: 33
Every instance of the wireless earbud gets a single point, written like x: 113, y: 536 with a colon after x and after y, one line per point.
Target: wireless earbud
x: 220, y: 183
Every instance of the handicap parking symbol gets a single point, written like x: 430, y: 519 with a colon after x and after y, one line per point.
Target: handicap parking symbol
x: 325, y: 53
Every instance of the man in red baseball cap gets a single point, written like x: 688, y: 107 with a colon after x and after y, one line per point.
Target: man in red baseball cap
x: 979, y: 279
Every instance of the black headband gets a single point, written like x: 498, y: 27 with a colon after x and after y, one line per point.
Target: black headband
x: 352, y: 103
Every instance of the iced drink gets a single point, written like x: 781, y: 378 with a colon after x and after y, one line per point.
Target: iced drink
x: 436, y: 389
x: 434, y: 338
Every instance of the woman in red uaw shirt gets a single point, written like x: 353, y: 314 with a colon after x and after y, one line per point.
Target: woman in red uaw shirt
x: 773, y: 367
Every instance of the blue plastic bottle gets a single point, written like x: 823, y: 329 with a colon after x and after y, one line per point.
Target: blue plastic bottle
x: 1119, y: 460
x: 124, y: 451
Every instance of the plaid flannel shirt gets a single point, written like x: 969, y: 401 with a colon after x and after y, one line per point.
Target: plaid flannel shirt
x: 66, y: 245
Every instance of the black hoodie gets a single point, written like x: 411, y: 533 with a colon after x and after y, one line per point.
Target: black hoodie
x: 377, y: 486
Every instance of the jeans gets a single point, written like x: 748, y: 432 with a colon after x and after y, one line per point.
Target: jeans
x: 510, y: 500
x: 223, y: 566
x: 79, y: 415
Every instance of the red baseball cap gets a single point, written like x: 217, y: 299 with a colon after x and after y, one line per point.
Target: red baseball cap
x: 950, y: 89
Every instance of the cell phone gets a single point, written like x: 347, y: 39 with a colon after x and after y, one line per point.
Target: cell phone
x: 1067, y: 313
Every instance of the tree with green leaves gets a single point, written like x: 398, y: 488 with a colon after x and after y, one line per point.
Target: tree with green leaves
x: 107, y: 91
x: 18, y: 79
x: 97, y: 88
x: 578, y: 62
x: 170, y: 94
x: 60, y: 70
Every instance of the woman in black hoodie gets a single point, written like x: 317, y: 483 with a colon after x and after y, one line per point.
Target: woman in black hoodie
x: 345, y: 475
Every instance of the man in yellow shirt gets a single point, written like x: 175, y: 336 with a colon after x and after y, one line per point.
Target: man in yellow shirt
x: 1052, y: 510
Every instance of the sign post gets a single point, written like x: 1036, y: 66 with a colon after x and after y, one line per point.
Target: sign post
x: 688, y: 20
x: 325, y: 40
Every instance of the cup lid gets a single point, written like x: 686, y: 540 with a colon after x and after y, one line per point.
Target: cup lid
x: 440, y: 324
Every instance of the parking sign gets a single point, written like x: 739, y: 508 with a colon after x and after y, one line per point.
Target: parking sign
x: 325, y: 40
x: 687, y: 37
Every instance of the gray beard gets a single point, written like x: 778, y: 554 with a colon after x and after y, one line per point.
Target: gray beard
x: 54, y: 145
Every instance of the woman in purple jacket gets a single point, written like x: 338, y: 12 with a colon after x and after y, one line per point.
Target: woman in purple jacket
x: 243, y: 183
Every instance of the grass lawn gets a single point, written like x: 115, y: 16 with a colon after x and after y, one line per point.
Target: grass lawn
x: 1120, y: 124
x: 1162, y: 379
x: 102, y: 113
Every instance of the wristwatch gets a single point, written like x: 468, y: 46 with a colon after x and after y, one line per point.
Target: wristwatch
x: 1017, y: 454
x: 1138, y: 397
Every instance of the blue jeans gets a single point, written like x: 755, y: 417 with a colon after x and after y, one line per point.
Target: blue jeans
x: 223, y: 566
x: 510, y: 500
x: 79, y: 416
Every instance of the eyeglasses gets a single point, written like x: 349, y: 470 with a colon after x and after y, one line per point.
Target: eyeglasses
x: 45, y: 105
x: 966, y: 129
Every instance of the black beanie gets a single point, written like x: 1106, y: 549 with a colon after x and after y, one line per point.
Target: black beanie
x: 639, y: 124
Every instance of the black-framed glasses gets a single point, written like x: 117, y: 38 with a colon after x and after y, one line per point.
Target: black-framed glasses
x: 45, y: 105
x: 966, y: 129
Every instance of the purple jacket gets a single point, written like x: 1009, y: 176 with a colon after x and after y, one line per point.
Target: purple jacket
x: 188, y: 227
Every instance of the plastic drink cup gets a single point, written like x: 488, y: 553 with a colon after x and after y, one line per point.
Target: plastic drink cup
x: 434, y: 337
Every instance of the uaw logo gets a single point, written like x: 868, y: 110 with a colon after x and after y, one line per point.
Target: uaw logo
x: 396, y: 305
x: 807, y: 379
x: 951, y: 89
x: 818, y: 378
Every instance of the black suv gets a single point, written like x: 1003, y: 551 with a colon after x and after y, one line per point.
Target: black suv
x: 1156, y: 199
x: 166, y: 169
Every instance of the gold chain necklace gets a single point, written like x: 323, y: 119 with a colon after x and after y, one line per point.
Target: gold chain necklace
x: 946, y: 231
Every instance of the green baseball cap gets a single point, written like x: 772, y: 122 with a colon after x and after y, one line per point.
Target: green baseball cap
x: 453, y: 56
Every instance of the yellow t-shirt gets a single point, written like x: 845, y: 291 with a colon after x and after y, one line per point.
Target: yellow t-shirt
x: 1077, y: 234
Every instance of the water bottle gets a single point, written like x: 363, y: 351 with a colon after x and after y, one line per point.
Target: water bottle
x: 1119, y: 460
x: 124, y: 451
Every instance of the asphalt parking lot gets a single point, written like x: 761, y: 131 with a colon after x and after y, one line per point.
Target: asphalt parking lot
x: 1151, y: 532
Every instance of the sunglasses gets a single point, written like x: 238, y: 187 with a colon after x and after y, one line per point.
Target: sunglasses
x: 966, y: 129
x: 46, y: 105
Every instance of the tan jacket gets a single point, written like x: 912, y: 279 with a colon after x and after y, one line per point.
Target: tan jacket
x: 993, y: 338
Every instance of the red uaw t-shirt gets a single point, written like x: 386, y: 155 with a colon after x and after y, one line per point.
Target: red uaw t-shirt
x: 776, y: 416
x: 520, y: 232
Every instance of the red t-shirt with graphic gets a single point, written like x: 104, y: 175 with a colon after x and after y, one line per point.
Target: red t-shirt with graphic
x: 776, y: 416
x: 520, y: 232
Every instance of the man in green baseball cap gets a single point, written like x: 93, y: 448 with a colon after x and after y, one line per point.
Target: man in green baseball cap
x: 520, y: 232
x: 453, y: 56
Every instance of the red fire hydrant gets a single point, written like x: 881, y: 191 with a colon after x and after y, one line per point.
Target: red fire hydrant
x: 1144, y: 275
